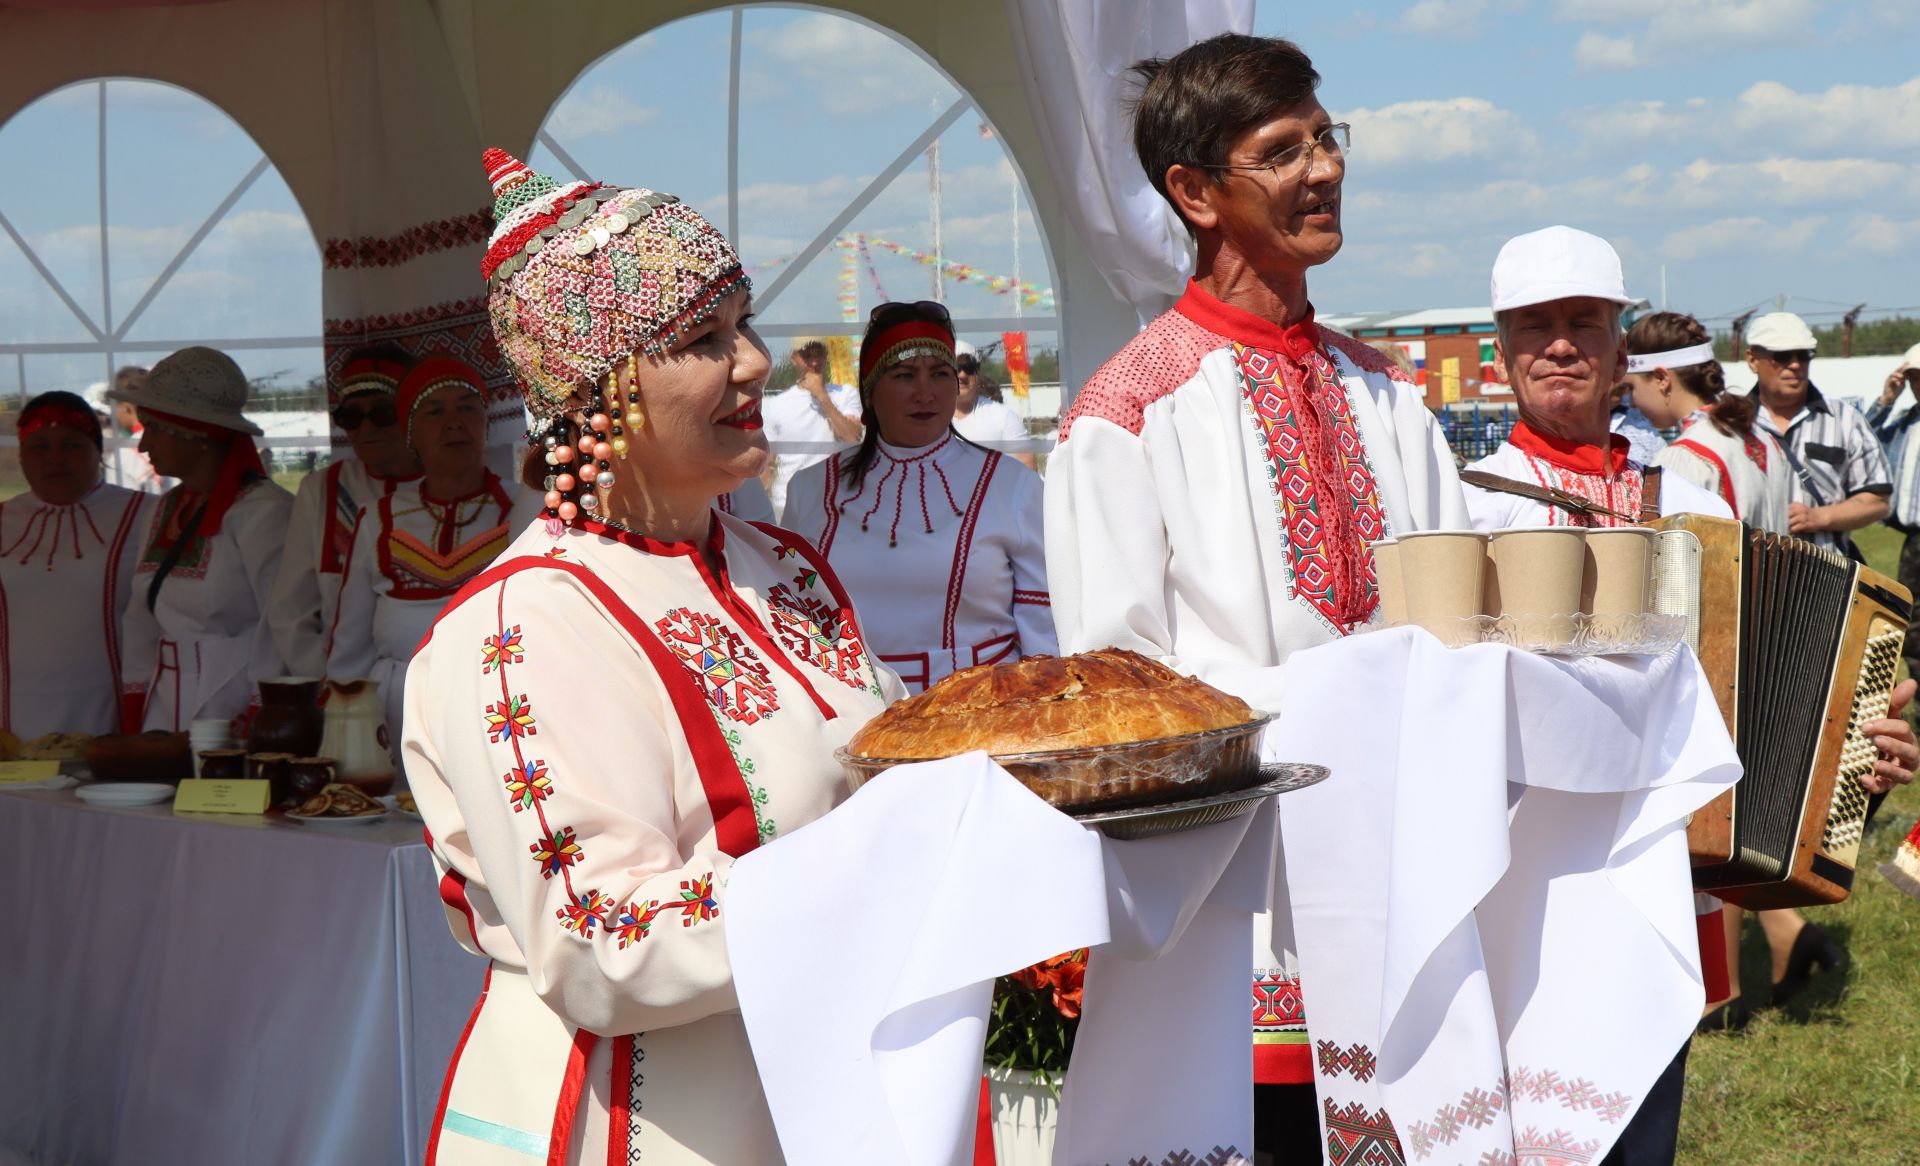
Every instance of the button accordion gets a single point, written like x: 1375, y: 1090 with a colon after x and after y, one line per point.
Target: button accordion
x: 1800, y: 645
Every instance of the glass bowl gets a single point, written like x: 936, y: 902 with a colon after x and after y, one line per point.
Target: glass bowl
x: 1165, y: 769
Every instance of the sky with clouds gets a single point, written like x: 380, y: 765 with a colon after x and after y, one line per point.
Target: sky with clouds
x: 1753, y: 148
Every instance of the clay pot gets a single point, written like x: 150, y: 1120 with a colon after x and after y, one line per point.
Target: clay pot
x: 272, y: 769
x: 307, y: 776
x: 223, y: 764
x: 289, y: 720
x: 356, y: 736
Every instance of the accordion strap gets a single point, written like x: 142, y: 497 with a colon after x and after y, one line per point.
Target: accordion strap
x: 1561, y: 498
x: 1649, y: 495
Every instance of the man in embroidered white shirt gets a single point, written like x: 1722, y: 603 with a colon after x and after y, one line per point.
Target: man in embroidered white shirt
x: 1218, y: 481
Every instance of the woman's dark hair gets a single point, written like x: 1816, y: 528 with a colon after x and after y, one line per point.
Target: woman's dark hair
x: 1731, y: 413
x: 989, y: 388
x: 1195, y: 104
x: 60, y: 399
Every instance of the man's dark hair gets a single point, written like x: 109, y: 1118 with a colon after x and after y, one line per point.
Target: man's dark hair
x: 1194, y: 104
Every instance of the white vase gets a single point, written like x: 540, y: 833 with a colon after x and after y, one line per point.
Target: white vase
x: 1025, y: 1114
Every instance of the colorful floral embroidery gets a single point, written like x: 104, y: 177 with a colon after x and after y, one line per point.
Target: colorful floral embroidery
x: 1579, y: 1094
x: 1324, y: 490
x: 731, y: 674
x: 1476, y: 1109
x: 697, y: 904
x: 586, y: 912
x: 510, y: 718
x: 634, y: 922
x: 556, y: 851
x: 757, y: 794
x: 1356, y: 1058
x: 817, y: 632
x: 500, y: 650
x: 528, y: 785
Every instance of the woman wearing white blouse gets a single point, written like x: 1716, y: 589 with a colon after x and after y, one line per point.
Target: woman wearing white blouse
x: 67, y: 549
x: 938, y: 540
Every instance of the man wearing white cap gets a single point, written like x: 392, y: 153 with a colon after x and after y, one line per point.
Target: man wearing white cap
x: 1557, y: 299
x: 1840, y: 475
x: 1896, y: 432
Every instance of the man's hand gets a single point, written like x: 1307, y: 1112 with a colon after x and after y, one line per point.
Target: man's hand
x: 1890, y: 391
x: 1893, y: 736
x: 1804, y: 520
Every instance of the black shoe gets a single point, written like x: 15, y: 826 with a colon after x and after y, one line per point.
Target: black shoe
x: 1733, y: 1016
x: 1812, y: 947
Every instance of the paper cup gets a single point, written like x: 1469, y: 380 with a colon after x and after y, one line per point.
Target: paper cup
x: 1386, y: 573
x: 1441, y: 575
x: 1538, y: 571
x: 1619, y: 571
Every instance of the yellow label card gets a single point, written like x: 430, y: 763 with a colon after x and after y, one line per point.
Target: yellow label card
x: 206, y: 796
x: 12, y: 772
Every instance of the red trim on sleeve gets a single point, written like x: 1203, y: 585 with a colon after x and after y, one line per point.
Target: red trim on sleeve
x: 1707, y: 455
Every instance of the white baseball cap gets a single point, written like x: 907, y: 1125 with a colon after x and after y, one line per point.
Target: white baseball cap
x: 1780, y: 332
x: 1912, y: 358
x: 1557, y: 263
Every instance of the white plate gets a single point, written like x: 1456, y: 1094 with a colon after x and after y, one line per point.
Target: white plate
x: 125, y: 793
x: 393, y: 804
x: 331, y: 820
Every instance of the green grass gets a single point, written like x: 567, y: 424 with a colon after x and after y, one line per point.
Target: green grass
x: 1835, y: 1076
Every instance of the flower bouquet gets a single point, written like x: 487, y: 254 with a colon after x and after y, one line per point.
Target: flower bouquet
x: 1035, y: 1013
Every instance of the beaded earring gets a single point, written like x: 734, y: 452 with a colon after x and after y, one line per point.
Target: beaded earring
x: 636, y: 414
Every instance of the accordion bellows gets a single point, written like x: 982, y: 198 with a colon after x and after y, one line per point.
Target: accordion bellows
x: 1108, y: 697
x: 1800, y: 646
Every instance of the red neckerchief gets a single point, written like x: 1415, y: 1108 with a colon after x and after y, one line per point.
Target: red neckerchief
x: 1609, y: 461
x: 1293, y: 341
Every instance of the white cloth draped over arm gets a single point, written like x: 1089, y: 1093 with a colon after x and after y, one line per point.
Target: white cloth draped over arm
x: 1074, y: 57
x: 294, y: 605
x: 351, y: 650
x: 601, y: 741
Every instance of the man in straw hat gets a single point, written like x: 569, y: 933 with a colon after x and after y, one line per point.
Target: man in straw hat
x: 197, y: 637
x: 1218, y: 482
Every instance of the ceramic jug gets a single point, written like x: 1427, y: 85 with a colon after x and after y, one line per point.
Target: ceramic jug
x: 356, y: 736
x: 289, y: 720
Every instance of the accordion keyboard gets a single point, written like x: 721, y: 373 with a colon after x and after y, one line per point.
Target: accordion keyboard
x: 1846, y: 819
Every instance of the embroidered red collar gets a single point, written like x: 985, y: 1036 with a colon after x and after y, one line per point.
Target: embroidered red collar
x: 1293, y: 341
x: 1568, y: 455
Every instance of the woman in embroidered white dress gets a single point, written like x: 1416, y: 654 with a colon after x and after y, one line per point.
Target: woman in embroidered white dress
x: 67, y: 548
x: 939, y: 540
x: 1676, y: 381
x: 641, y: 690
x: 196, y: 632
x: 414, y: 548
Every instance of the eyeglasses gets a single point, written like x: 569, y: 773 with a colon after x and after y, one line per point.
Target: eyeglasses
x: 351, y: 417
x: 1788, y: 356
x: 894, y: 312
x: 1297, y: 159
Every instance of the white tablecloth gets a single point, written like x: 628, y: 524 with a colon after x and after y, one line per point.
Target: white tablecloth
x: 1491, y: 896
x: 217, y: 989
x: 865, y: 946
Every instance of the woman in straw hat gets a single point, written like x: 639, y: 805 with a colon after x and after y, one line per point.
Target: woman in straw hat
x: 641, y: 689
x: 197, y: 638
x: 67, y: 548
x: 415, y: 548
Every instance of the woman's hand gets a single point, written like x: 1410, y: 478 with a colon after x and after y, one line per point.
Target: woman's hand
x: 1893, y: 736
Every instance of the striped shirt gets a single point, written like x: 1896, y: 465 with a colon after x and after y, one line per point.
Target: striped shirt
x: 1898, y: 434
x: 1833, y: 453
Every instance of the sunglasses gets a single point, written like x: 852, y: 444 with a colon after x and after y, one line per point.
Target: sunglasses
x: 893, y: 313
x: 1789, y: 356
x: 351, y: 417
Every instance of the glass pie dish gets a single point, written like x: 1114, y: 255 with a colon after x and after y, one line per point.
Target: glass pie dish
x: 1167, y: 769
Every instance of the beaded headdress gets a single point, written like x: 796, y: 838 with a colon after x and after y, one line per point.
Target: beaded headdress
x: 369, y: 372
x: 580, y: 276
x: 430, y: 376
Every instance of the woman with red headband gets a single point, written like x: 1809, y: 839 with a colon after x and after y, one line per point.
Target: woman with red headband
x: 197, y: 638
x: 938, y: 539
x: 415, y: 548
x: 67, y: 549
